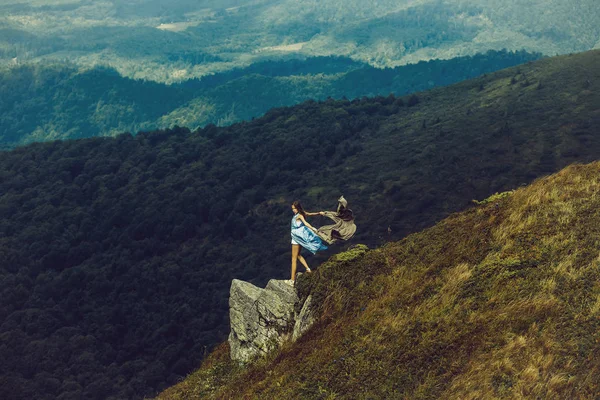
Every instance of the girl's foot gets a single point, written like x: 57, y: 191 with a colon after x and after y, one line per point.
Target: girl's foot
x: 308, y: 270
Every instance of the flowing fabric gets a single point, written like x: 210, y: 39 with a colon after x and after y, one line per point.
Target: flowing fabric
x: 306, y: 238
x: 343, y: 229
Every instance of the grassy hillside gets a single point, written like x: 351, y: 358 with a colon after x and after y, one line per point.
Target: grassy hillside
x: 116, y: 254
x: 500, y: 301
x: 50, y: 102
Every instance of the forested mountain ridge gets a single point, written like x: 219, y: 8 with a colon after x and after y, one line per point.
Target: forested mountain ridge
x: 116, y: 254
x: 40, y: 103
x: 500, y: 301
x: 148, y: 39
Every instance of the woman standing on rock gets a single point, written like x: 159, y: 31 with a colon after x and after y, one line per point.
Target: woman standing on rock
x: 303, y: 234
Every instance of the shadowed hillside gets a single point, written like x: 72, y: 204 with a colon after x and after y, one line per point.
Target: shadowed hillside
x: 116, y: 254
x: 500, y: 301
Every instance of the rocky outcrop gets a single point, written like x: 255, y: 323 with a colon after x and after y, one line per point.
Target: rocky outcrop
x: 262, y: 319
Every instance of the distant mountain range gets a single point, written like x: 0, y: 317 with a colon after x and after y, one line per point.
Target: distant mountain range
x: 185, y: 39
x: 116, y: 254
x: 47, y: 102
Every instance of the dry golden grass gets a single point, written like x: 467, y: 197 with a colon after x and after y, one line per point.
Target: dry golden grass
x: 501, y: 301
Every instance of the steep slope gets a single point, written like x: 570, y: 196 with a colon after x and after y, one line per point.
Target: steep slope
x: 500, y: 301
x: 116, y: 254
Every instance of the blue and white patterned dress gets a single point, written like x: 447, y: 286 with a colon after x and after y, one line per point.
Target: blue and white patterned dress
x: 305, y: 237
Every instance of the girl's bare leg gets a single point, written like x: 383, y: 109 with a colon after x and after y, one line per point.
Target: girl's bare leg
x: 295, y: 253
x: 303, y: 262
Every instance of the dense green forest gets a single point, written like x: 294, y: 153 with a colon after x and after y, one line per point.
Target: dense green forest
x: 116, y: 254
x: 42, y: 102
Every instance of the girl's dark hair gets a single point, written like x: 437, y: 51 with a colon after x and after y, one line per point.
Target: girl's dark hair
x: 299, y: 208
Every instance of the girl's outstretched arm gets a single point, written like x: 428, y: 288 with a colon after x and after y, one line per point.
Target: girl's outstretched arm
x: 312, y: 214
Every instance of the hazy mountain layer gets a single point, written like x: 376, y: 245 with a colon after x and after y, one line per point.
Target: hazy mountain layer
x: 116, y: 254
x: 182, y: 39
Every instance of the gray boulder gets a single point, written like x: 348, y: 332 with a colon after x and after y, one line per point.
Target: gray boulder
x: 261, y: 319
